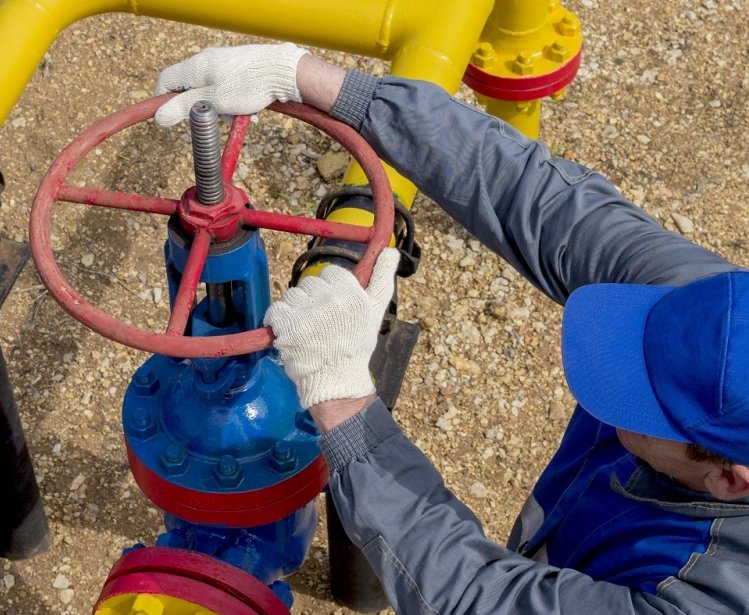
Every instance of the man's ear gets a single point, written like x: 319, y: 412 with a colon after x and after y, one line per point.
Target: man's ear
x: 728, y: 483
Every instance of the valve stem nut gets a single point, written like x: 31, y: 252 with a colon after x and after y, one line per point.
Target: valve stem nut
x: 145, y: 382
x: 228, y: 471
x: 141, y: 425
x: 283, y: 458
x: 174, y: 459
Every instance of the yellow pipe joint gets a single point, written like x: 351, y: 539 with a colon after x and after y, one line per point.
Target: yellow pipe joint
x: 526, y: 39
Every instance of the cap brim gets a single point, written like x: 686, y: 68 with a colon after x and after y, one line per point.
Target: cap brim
x: 604, y: 359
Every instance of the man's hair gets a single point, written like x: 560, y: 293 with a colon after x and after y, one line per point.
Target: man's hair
x: 699, y: 453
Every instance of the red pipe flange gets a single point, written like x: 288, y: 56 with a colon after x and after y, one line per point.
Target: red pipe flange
x: 521, y: 88
x: 193, y: 577
x: 209, y: 222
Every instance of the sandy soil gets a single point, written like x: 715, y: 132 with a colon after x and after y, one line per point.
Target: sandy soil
x: 659, y: 107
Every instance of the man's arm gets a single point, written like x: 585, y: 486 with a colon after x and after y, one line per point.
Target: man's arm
x: 558, y: 223
x: 429, y: 549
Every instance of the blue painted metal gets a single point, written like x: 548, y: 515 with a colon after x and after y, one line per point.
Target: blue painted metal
x: 268, y: 552
x: 227, y: 425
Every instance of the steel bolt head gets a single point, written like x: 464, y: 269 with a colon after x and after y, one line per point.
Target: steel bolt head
x: 569, y: 25
x: 282, y: 450
x: 283, y: 457
x: 484, y: 54
x: 227, y: 465
x: 523, y: 64
x: 173, y: 459
x: 141, y: 425
x: 559, y: 51
x: 228, y: 471
x: 145, y: 382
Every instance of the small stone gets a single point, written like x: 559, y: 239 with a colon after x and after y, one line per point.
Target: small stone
x: 9, y: 581
x: 444, y: 424
x: 644, y: 139
x: 61, y: 582
x: 332, y: 164
x: 66, y: 596
x: 87, y: 260
x: 157, y: 294
x: 684, y: 224
x: 86, y: 398
x: 557, y: 411
x: 479, y: 490
x: 610, y: 132
x: 466, y: 261
x: 77, y: 482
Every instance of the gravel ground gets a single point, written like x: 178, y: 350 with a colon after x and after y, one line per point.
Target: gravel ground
x: 659, y: 107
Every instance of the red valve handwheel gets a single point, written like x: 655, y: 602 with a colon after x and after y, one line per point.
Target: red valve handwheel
x: 206, y: 223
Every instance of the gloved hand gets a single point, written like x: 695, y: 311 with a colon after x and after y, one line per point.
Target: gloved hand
x: 235, y: 80
x: 326, y: 330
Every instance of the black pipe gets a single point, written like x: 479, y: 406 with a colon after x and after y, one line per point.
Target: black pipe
x: 23, y: 524
x: 352, y: 581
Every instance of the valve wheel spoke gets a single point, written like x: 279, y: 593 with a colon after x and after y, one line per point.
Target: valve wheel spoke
x: 189, y: 284
x: 117, y: 200
x: 233, y: 146
x: 307, y: 226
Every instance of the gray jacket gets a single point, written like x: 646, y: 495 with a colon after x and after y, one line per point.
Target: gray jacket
x: 561, y: 226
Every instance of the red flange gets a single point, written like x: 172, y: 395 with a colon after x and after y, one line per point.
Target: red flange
x: 239, y: 509
x: 521, y: 88
x: 193, y: 577
x: 218, y: 222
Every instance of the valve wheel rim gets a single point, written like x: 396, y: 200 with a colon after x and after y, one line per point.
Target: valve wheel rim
x: 53, y: 189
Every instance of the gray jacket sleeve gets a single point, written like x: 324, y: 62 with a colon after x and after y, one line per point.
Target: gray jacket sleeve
x: 429, y: 549
x: 558, y: 223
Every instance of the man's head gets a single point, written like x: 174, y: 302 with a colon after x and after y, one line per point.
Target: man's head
x: 669, y: 367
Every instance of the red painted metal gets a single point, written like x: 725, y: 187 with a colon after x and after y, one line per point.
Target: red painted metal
x: 189, y: 284
x: 519, y: 88
x: 191, y: 576
x: 233, y: 146
x: 307, y: 226
x: 240, y: 509
x: 219, y: 221
x: 117, y: 200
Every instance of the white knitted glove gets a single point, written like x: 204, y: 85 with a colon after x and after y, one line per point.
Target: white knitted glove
x: 235, y: 80
x: 326, y: 330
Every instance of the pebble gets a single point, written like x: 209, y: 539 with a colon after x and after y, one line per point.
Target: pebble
x: 157, y: 294
x: 684, y: 224
x: 66, y: 595
x: 332, y: 164
x: 9, y: 581
x: 87, y: 260
x: 61, y: 582
x: 557, y: 411
x: 77, y: 482
x: 479, y: 490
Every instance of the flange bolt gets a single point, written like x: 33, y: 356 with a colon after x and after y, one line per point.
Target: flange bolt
x: 141, y: 424
x: 228, y: 471
x: 283, y: 457
x: 173, y: 459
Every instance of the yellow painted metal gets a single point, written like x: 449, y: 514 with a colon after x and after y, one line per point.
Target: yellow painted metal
x: 414, y: 33
x: 526, y: 38
x: 149, y: 604
x: 524, y: 115
x: 437, y: 50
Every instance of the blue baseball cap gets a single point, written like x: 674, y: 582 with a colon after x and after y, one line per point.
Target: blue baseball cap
x: 664, y: 361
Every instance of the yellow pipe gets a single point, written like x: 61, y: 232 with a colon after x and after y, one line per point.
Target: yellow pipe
x: 377, y: 28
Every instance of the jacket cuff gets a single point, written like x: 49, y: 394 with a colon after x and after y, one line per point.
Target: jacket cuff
x: 353, y: 100
x: 357, y: 436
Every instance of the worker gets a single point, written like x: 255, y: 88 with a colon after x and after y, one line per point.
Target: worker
x: 644, y: 508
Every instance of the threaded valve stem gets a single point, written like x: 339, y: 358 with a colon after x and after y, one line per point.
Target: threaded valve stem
x: 206, y: 151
